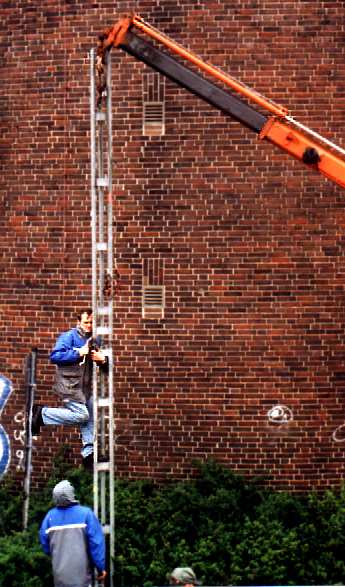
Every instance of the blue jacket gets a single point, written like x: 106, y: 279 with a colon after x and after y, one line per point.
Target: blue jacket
x: 74, y: 538
x: 65, y: 351
x: 74, y: 373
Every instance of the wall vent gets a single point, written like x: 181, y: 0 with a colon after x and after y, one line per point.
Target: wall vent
x: 153, y: 104
x: 153, y: 301
x: 153, y: 290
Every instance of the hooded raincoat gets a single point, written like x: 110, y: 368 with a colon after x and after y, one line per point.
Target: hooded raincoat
x: 73, y: 537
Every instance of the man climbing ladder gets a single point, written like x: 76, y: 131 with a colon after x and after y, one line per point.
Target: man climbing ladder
x: 76, y: 353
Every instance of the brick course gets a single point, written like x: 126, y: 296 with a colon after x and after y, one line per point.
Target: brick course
x: 250, y: 242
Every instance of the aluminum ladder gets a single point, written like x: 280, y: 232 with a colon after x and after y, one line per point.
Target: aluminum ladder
x: 102, y: 307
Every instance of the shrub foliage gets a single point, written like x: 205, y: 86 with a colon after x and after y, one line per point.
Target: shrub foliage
x: 230, y: 530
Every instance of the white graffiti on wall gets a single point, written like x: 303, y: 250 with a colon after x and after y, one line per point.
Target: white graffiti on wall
x: 19, y: 436
x: 5, y: 452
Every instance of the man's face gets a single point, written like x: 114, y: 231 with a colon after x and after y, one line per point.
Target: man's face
x: 86, y: 322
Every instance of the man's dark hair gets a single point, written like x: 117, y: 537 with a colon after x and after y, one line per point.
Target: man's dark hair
x: 87, y: 311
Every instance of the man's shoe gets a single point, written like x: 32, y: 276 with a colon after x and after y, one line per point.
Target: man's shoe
x: 37, y: 420
x: 88, y: 462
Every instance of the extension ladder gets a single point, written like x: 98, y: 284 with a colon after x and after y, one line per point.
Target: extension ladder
x: 102, y: 307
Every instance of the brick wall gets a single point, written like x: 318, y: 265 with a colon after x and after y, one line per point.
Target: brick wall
x: 249, y: 243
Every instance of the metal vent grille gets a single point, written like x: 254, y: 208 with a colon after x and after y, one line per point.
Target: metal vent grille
x: 153, y: 301
x: 153, y: 104
x: 153, y: 123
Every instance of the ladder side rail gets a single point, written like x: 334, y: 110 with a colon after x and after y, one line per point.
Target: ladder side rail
x: 101, y: 420
x: 102, y: 268
x: 110, y: 325
x: 94, y: 253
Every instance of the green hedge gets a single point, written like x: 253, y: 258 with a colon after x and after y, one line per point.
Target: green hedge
x: 230, y: 530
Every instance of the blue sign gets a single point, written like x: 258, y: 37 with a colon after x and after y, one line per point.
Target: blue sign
x: 5, y: 453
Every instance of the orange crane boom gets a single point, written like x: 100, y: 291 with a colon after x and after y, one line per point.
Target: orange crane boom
x: 279, y: 128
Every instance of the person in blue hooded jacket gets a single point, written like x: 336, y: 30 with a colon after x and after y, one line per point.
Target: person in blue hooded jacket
x: 72, y: 535
x: 75, y: 354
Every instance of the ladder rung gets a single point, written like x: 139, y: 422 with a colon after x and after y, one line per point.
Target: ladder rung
x: 100, y: 116
x: 102, y: 182
x: 103, y: 466
x: 102, y: 246
x: 103, y: 402
x: 106, y: 528
x: 102, y: 330
x: 103, y: 310
x: 107, y: 351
